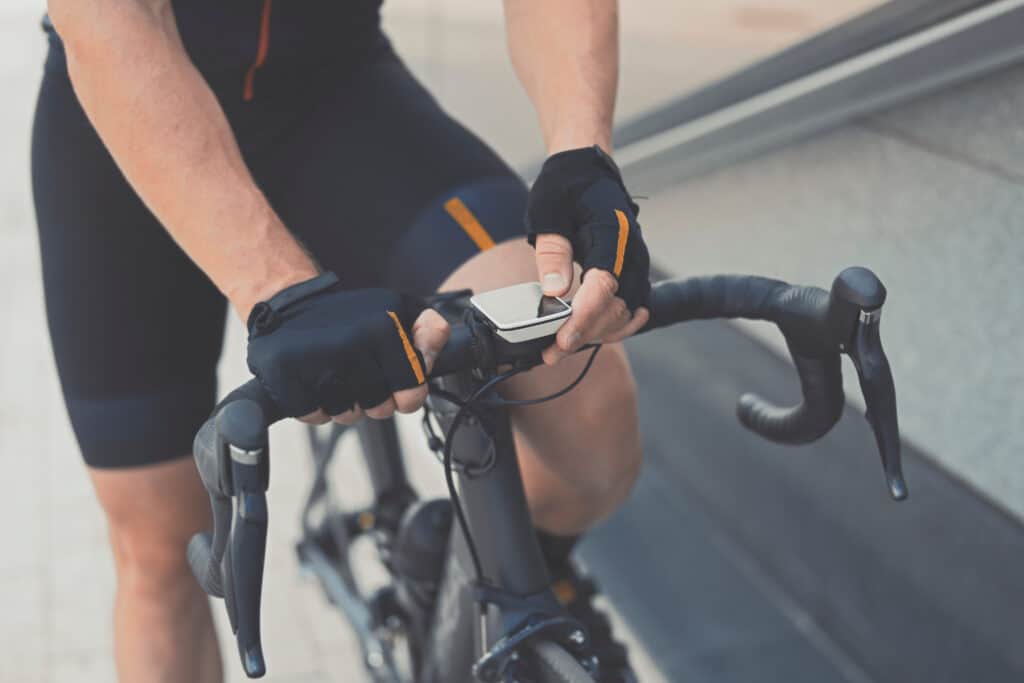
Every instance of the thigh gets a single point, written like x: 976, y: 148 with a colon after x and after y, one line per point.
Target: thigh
x: 386, y: 189
x: 136, y: 327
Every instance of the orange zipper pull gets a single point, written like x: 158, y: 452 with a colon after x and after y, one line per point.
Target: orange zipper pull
x: 261, y: 53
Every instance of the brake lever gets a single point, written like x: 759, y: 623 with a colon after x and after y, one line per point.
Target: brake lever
x: 244, y: 559
x: 232, y: 456
x: 855, y: 311
x: 879, y: 397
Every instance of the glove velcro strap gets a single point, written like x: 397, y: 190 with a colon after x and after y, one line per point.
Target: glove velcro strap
x: 289, y: 295
x: 264, y: 314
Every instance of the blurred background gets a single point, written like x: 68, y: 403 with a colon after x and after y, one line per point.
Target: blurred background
x: 786, y: 138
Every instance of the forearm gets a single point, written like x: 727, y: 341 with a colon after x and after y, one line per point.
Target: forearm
x: 566, y: 54
x: 166, y: 131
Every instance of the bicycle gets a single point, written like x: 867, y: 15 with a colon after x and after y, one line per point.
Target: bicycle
x: 478, y: 607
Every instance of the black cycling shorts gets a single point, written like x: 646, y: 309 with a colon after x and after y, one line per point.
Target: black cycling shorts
x: 357, y: 158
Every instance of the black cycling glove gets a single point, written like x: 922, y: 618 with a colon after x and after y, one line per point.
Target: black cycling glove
x: 580, y: 195
x: 315, y: 345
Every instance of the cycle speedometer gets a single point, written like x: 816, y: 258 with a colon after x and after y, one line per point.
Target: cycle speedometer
x: 522, y: 312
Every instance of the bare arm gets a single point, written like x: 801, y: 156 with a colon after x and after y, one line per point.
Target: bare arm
x: 170, y: 138
x: 566, y: 53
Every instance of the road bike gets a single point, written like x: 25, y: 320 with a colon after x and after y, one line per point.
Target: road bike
x: 469, y: 597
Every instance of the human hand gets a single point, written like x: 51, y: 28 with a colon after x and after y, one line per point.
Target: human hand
x: 579, y: 210
x: 322, y: 352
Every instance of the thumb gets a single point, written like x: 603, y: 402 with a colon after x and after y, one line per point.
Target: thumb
x: 430, y: 333
x: 554, y: 263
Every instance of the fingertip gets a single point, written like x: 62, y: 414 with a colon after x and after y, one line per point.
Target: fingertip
x: 429, y: 323
x: 555, y: 284
x: 608, y: 283
x: 430, y: 320
x: 410, y: 400
x: 429, y: 337
x: 382, y: 411
x: 568, y: 341
x: 637, y: 323
x: 349, y: 417
x: 554, y: 263
x: 551, y: 355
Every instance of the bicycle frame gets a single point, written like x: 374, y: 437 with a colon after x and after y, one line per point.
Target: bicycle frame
x: 472, y: 625
x: 499, y: 519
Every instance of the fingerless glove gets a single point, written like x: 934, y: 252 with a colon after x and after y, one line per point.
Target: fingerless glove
x: 580, y: 195
x: 314, y: 345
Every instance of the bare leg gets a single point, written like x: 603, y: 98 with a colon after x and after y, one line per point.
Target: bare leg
x: 579, y: 454
x: 163, y: 629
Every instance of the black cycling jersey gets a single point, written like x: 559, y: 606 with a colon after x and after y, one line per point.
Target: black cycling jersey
x: 247, y: 40
x: 357, y: 158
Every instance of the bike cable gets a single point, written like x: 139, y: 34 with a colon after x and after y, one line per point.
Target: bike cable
x: 467, y: 407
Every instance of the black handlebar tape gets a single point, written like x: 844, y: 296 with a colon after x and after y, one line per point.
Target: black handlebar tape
x: 801, y: 313
x: 821, y: 382
x: 246, y: 430
x: 713, y: 296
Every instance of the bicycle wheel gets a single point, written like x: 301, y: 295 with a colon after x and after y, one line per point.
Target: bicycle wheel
x: 552, y: 664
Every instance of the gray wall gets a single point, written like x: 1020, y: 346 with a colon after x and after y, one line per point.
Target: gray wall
x: 931, y: 196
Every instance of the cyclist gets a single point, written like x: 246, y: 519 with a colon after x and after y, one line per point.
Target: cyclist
x: 190, y: 154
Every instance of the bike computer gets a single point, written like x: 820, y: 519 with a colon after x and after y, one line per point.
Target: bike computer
x: 521, y: 312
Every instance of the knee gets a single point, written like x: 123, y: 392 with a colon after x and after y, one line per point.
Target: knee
x: 151, y: 515
x: 150, y: 560
x: 610, y: 454
x: 592, y: 439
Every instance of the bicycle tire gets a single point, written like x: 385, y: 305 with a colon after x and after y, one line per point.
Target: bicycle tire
x: 553, y: 664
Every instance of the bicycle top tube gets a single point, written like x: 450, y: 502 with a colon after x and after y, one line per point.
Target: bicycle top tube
x: 818, y: 325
